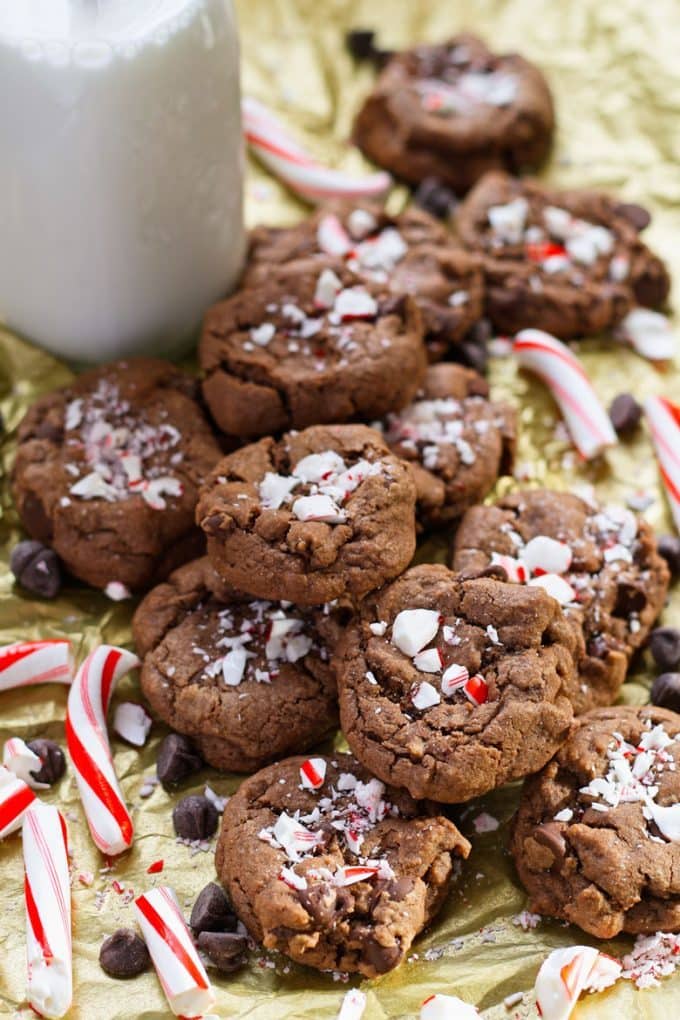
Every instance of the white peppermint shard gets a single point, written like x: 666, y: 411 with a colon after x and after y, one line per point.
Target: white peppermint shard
x: 413, y: 629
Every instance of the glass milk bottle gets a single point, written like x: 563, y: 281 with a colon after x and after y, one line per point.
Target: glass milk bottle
x: 121, y: 165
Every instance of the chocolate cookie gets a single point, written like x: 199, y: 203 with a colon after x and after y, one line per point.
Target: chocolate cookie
x: 319, y: 514
x: 456, y: 440
x: 406, y: 254
x: 309, y: 345
x: 108, y: 469
x: 248, y: 680
x: 596, y: 839
x: 568, y: 262
x: 599, y: 562
x: 451, y: 688
x: 454, y: 111
x: 343, y: 872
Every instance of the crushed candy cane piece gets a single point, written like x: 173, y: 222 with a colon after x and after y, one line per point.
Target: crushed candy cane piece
x: 454, y: 678
x: 546, y: 555
x: 447, y: 1007
x: 132, y: 723
x: 313, y: 773
x: 413, y: 629
x: 556, y: 586
x: 353, y: 1004
x: 566, y: 973
x: 424, y: 695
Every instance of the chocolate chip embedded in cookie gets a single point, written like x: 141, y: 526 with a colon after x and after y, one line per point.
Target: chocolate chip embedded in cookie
x: 567, y: 262
x: 451, y: 688
x: 455, y: 111
x: 318, y: 515
x: 596, y: 839
x: 456, y: 440
x: 309, y: 345
x: 600, y: 563
x: 343, y: 872
x: 108, y: 470
x: 247, y: 680
x: 405, y: 254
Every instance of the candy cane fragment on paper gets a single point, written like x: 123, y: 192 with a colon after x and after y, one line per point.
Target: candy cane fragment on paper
x: 16, y: 797
x: 311, y: 180
x: 47, y: 891
x: 88, y: 745
x: 179, y: 968
x: 35, y: 662
x: 663, y: 418
x: 589, y: 426
x: 566, y: 973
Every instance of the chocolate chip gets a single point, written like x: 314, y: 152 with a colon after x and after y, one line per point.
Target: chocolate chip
x: 636, y: 215
x: 435, y: 197
x: 225, y: 950
x: 625, y: 413
x: 52, y: 758
x: 598, y: 647
x: 381, y: 958
x: 124, y: 954
x: 629, y: 599
x: 550, y: 836
x: 212, y: 911
x: 480, y: 332
x: 36, y: 568
x: 177, y: 759
x: 472, y: 355
x: 360, y: 43
x: 666, y: 691
x: 319, y: 900
x: 195, y: 817
x: 664, y: 644
x: 668, y: 546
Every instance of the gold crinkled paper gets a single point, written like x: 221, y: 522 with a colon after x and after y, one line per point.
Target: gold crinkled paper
x: 613, y: 66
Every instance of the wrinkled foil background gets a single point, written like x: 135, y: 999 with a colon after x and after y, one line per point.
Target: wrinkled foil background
x: 613, y: 67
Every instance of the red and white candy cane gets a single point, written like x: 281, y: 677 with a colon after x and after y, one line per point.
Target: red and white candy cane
x: 353, y: 1005
x: 563, y: 374
x: 88, y: 745
x: 663, y: 418
x: 48, y: 911
x: 16, y: 798
x: 273, y: 146
x: 174, y: 956
x: 565, y: 973
x: 35, y: 662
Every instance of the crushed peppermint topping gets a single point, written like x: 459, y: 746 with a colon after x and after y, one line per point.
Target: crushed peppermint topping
x: 426, y: 426
x: 412, y: 631
x: 119, y: 453
x: 351, y: 808
x: 547, y: 563
x: 633, y: 775
x: 560, y: 243
x: 651, y: 958
x: 369, y: 252
x: 329, y: 481
x: 471, y: 89
x: 253, y: 640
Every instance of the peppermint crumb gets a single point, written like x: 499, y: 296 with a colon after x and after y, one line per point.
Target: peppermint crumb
x: 652, y: 957
x: 485, y: 822
x: 513, y: 1000
x: 526, y: 920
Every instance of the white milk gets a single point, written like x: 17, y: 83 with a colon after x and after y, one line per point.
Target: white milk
x: 120, y: 171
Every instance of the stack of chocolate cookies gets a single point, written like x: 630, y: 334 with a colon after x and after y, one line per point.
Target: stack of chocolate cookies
x: 272, y: 517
